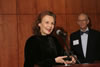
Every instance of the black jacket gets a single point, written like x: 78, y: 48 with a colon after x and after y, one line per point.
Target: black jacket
x: 93, y: 46
x: 42, y: 50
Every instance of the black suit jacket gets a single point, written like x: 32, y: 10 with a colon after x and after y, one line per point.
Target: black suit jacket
x: 93, y: 46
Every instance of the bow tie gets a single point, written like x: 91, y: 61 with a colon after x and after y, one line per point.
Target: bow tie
x: 84, y: 32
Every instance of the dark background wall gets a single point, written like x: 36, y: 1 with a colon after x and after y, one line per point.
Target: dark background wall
x: 17, y: 16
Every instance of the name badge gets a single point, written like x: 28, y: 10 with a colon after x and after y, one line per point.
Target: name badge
x: 75, y: 42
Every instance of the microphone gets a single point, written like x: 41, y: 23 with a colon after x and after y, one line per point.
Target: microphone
x: 63, y: 35
x: 60, y: 32
x: 69, y: 52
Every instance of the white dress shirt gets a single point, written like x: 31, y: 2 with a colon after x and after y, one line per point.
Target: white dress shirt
x: 84, y: 40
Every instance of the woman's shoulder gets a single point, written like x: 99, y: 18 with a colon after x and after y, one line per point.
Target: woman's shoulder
x: 32, y: 42
x: 33, y: 38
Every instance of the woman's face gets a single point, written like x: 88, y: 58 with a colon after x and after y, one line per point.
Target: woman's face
x: 46, y: 25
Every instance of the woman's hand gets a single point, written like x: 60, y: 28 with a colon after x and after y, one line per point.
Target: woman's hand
x: 60, y: 59
x: 73, y: 61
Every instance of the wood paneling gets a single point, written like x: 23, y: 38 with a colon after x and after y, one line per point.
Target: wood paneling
x: 98, y: 6
x: 93, y: 21
x: 43, y: 5
x: 73, y: 6
x: 26, y: 6
x: 72, y: 20
x: 25, y: 23
x: 17, y: 16
x: 7, y: 6
x: 97, y: 24
x: 61, y: 21
x: 89, y: 6
x: 58, y: 6
x: 8, y: 41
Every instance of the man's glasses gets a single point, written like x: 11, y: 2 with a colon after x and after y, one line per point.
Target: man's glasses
x: 82, y: 20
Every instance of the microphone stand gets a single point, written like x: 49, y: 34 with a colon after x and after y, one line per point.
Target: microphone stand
x: 69, y: 52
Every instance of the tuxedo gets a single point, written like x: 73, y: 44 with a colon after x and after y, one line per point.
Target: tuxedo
x: 93, y: 46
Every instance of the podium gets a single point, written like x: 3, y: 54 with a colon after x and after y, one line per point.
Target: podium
x: 97, y: 64
x: 80, y: 65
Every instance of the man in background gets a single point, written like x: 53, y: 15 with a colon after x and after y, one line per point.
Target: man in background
x: 85, y: 43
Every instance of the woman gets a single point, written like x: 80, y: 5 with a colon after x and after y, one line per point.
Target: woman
x: 42, y: 49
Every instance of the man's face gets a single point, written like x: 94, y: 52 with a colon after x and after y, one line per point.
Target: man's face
x: 83, y: 21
